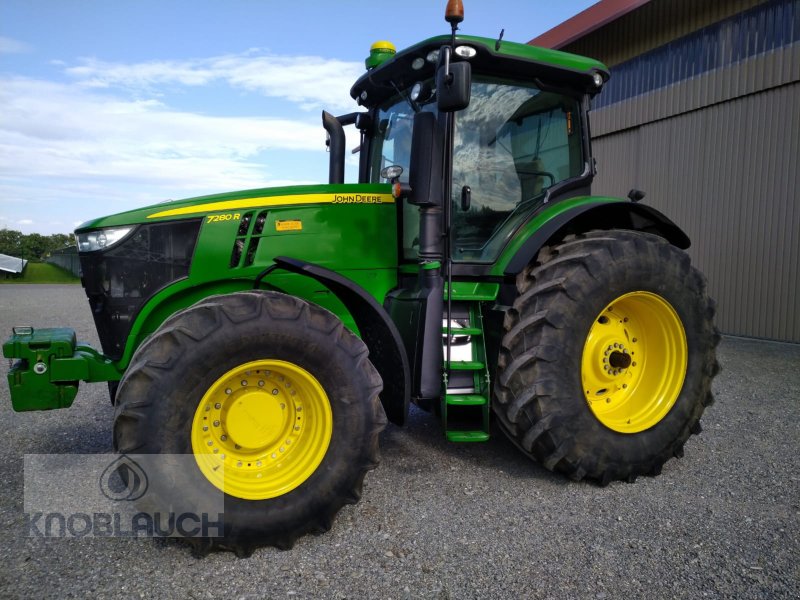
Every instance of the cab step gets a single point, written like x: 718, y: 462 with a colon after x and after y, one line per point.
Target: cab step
x: 467, y: 436
x: 466, y: 400
x: 458, y: 331
x: 466, y: 365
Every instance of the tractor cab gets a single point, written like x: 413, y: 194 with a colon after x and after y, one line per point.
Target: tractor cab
x: 513, y: 148
x: 519, y: 142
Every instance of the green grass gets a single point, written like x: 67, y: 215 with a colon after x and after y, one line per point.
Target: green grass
x: 42, y: 273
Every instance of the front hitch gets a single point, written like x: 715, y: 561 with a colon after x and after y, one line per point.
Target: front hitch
x: 50, y: 364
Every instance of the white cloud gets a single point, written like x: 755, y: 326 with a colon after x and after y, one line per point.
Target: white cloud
x: 11, y: 46
x: 54, y: 130
x: 107, y: 141
x: 309, y: 81
x: 68, y: 153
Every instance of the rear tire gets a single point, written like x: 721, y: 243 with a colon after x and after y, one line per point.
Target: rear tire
x: 608, y: 355
x: 229, y: 379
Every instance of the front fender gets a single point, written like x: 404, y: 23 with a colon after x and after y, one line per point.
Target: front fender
x: 378, y: 331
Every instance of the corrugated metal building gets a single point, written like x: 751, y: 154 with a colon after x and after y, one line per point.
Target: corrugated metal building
x: 703, y: 113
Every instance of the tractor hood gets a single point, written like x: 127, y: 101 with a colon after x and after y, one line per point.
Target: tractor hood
x: 245, y: 199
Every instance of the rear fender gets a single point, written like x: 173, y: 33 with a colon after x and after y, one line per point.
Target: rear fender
x: 599, y: 215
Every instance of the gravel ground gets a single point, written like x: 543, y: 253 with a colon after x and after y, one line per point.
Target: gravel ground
x: 456, y: 521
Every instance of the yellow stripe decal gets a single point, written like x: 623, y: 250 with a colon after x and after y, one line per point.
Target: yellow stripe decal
x: 291, y: 200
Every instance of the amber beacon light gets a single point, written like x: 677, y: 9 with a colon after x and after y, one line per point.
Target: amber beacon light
x: 454, y: 13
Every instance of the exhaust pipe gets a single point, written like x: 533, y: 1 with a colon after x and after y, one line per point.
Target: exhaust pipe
x: 337, y: 146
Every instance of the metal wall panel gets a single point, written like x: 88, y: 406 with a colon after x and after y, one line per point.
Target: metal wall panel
x: 771, y: 69
x: 760, y: 31
x: 728, y: 175
x: 654, y: 24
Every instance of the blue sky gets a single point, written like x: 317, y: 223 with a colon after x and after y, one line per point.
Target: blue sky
x: 106, y: 105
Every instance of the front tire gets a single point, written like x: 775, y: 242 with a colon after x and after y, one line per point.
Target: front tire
x: 272, y: 387
x: 608, y: 355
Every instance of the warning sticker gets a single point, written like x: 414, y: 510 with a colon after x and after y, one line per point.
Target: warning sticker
x: 289, y: 225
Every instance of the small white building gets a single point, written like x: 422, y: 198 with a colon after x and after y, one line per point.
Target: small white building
x: 11, y: 266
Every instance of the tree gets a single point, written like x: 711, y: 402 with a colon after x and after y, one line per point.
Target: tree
x: 34, y: 246
x: 59, y: 241
x: 11, y: 242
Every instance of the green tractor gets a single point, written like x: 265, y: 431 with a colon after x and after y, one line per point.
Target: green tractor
x: 470, y: 271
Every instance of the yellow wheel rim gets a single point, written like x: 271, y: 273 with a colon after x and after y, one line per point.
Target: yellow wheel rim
x: 268, y: 423
x: 634, y: 362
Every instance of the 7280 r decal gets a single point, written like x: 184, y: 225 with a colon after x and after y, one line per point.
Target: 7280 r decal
x: 225, y: 217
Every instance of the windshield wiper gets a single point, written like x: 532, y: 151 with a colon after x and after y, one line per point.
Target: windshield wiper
x: 414, y: 106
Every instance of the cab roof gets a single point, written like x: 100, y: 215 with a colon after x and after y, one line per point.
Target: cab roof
x: 510, y: 59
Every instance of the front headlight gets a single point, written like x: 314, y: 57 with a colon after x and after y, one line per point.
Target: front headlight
x: 102, y: 238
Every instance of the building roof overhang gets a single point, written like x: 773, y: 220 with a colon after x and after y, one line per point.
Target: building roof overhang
x: 591, y: 19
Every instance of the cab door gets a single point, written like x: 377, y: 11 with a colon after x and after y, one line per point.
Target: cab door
x: 512, y: 143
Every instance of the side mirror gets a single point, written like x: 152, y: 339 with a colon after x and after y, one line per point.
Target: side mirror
x: 453, y: 89
x: 425, y: 169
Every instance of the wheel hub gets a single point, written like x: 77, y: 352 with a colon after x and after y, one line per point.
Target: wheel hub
x: 254, y: 420
x: 262, y: 429
x: 634, y: 362
x: 619, y: 360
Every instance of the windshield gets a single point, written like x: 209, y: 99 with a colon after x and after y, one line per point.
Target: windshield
x: 512, y: 143
x: 391, y: 138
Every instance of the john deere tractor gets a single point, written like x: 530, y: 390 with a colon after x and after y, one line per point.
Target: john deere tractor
x: 470, y: 271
